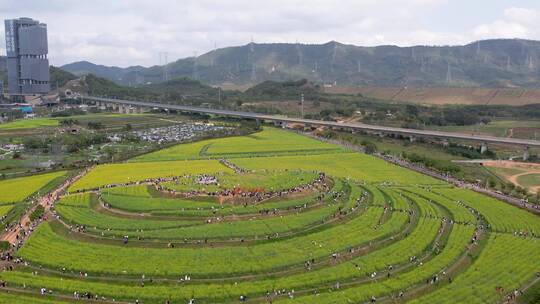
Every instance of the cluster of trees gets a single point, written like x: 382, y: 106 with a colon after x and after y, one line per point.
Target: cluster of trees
x: 436, y: 164
x: 68, y: 112
x: 469, y: 152
x: 286, y: 90
x: 71, y: 143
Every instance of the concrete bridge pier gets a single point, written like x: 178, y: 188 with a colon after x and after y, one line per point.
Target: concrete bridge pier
x: 526, y: 154
x: 279, y: 124
x: 483, y: 148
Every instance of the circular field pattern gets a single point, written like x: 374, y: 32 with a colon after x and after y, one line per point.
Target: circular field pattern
x: 327, y: 226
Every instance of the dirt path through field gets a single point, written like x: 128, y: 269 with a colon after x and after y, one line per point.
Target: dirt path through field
x: 45, y: 201
x: 528, y: 168
x: 514, y: 179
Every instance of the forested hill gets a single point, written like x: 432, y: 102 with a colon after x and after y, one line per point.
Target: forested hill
x: 488, y: 63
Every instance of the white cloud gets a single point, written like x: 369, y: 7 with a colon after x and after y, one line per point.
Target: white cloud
x: 516, y: 23
x: 522, y: 15
x: 130, y: 32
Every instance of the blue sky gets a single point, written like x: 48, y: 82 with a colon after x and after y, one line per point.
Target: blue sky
x: 132, y: 32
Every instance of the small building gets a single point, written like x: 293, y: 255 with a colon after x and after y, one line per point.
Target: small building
x: 27, y: 110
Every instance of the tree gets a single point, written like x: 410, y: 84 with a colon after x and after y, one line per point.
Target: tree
x: 68, y: 122
x: 369, y: 146
x: 412, y: 110
x: 95, y: 125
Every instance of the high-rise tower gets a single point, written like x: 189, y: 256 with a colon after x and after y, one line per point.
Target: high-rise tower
x: 27, y: 63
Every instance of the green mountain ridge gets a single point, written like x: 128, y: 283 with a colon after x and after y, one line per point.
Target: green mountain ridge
x: 487, y: 63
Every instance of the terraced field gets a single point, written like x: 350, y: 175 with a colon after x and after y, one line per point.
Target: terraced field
x: 15, y: 193
x: 283, y: 218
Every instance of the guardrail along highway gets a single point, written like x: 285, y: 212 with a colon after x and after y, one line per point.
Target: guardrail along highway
x: 351, y: 126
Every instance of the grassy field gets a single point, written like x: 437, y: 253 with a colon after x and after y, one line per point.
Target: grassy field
x: 29, y: 124
x: 17, y: 189
x: 528, y: 129
x: 126, y: 172
x: 524, y: 175
x: 261, y: 180
x: 369, y: 230
x: 108, y: 120
x: 529, y: 180
x: 266, y: 143
x: 348, y: 165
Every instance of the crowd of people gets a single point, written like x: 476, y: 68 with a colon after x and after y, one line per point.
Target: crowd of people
x: 256, y: 195
x: 232, y: 166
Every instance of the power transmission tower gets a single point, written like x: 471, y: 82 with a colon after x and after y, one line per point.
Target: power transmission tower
x: 195, y: 69
x: 299, y: 53
x: 252, y: 57
x: 302, y: 105
x: 163, y: 61
x: 213, y: 54
x: 449, y: 74
x: 334, y: 53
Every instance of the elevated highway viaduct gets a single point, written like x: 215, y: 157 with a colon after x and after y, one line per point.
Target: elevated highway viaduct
x: 483, y: 140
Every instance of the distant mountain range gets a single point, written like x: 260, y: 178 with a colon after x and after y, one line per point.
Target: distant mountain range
x: 503, y: 63
x: 487, y: 63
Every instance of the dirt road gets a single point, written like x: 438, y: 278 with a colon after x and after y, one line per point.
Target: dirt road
x: 46, y: 201
x: 526, y: 168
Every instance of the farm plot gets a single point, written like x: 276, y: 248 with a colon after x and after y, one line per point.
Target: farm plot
x: 267, y: 142
x: 29, y: 124
x: 178, y: 228
x: 18, y: 189
x: 262, y: 180
x: 131, y: 173
x: 348, y: 165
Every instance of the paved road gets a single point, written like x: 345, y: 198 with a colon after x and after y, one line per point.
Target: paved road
x: 354, y: 126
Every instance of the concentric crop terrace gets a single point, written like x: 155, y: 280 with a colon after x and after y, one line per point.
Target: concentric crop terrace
x: 271, y: 217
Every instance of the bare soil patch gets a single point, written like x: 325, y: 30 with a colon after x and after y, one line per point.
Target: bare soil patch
x: 525, y: 168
